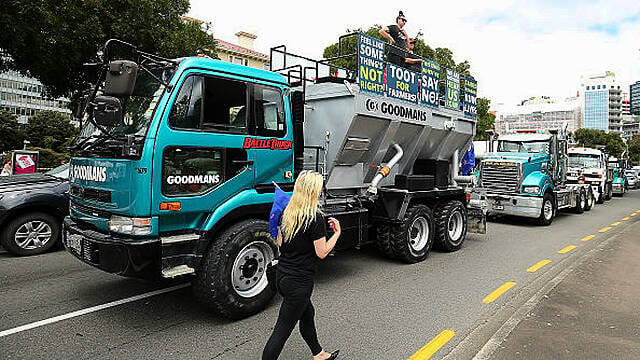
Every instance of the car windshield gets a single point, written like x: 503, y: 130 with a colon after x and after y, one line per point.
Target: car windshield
x: 61, y: 171
x: 540, y: 147
x: 137, y: 109
x: 584, y: 161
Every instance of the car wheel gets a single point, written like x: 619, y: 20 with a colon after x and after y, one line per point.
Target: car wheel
x: 31, y: 234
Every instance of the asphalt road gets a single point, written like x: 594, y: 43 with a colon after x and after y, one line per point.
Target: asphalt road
x: 367, y: 306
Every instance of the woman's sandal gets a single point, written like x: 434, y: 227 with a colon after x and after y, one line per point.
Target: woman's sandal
x: 334, y: 355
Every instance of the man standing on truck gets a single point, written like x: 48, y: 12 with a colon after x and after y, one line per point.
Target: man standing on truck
x: 412, y: 62
x: 398, y: 38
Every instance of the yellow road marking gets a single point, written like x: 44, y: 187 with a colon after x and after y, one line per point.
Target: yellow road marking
x: 616, y: 223
x: 499, y: 291
x: 538, y: 265
x: 625, y: 218
x: 433, y: 346
x: 567, y: 249
x: 588, y: 237
x: 634, y: 214
x: 605, y: 229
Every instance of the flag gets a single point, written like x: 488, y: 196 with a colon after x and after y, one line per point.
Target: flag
x: 468, y: 161
x: 280, y: 202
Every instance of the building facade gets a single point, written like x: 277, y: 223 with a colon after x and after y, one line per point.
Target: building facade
x: 23, y: 97
x: 540, y: 113
x: 602, y: 102
x: 634, y: 98
x: 243, y: 52
x: 630, y: 126
x: 626, y: 104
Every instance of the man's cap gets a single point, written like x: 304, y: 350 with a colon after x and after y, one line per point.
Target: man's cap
x: 401, y: 16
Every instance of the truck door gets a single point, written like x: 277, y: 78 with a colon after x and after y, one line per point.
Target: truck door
x: 200, y: 160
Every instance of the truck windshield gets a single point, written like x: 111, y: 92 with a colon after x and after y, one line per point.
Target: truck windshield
x: 584, y: 161
x: 137, y: 110
x: 540, y: 147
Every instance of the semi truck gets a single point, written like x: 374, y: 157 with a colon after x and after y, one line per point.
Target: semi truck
x: 590, y: 165
x: 527, y: 177
x: 619, y: 184
x: 175, y: 168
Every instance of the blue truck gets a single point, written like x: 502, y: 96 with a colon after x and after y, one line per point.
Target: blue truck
x: 174, y: 171
x: 527, y: 177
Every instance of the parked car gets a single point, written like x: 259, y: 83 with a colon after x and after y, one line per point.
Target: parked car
x: 632, y: 179
x: 32, y: 207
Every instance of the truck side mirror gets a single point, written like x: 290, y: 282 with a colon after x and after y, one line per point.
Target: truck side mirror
x: 107, y: 110
x: 121, y: 78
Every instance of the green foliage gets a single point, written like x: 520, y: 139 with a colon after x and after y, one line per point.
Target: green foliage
x: 486, y: 120
x: 634, y: 149
x: 11, y: 133
x: 593, y: 138
x: 49, y: 158
x: 50, y: 129
x: 51, y: 39
x: 442, y: 56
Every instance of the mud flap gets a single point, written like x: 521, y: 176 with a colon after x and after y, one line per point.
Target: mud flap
x: 476, y: 220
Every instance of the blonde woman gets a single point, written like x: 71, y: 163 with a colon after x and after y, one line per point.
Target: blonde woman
x: 301, y: 238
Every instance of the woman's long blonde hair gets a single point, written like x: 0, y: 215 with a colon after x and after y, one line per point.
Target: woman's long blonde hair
x: 303, y: 205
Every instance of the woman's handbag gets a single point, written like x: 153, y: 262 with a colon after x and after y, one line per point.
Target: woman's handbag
x: 272, y: 268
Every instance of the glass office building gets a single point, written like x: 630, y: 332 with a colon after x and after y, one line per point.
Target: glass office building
x: 634, y: 98
x: 596, y: 110
x: 22, y: 96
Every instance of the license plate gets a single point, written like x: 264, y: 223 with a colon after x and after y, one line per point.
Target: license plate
x: 74, y: 242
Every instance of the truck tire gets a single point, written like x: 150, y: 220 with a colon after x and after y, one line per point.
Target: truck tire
x: 581, y: 202
x: 412, y: 240
x: 602, y: 195
x: 31, y: 234
x: 231, y: 280
x: 383, y: 241
x: 547, y: 211
x: 590, y: 199
x: 451, y: 225
x: 608, y: 192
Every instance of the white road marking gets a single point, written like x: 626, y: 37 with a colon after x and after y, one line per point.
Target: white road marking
x: 89, y: 310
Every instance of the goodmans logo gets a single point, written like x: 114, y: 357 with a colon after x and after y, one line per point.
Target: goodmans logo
x: 396, y: 110
x: 88, y: 172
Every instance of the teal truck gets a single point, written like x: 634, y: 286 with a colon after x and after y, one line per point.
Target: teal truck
x: 619, y: 183
x: 174, y: 171
x: 527, y: 177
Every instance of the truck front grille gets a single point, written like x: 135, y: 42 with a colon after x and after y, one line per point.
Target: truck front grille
x: 500, y: 176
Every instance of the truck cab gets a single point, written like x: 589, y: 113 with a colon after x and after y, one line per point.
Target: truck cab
x: 619, y: 184
x: 590, y: 166
x: 526, y: 177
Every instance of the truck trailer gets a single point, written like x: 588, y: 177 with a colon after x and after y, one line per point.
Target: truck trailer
x: 175, y: 168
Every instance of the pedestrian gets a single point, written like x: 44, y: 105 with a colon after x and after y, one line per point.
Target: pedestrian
x: 301, y: 238
x: 398, y: 38
x: 412, y: 62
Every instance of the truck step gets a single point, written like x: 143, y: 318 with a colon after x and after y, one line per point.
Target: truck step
x: 177, y: 271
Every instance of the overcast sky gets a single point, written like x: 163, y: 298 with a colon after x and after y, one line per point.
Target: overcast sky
x: 517, y: 49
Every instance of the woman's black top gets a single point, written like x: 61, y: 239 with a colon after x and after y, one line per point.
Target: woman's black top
x: 298, y: 255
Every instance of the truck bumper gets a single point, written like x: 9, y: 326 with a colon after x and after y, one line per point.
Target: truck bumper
x: 524, y: 206
x: 617, y: 188
x: 122, y: 255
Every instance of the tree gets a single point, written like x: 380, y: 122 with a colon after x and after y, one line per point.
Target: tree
x: 613, y: 143
x: 51, y: 39
x: 485, y: 119
x: 442, y: 56
x: 50, y: 129
x: 11, y: 134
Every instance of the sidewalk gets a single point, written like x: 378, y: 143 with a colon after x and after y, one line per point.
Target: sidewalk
x: 594, y: 313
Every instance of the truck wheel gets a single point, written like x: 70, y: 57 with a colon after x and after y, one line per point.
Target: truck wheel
x: 590, y: 199
x: 383, y: 241
x: 232, y: 278
x: 451, y: 225
x: 412, y: 240
x: 601, y: 197
x: 547, y: 211
x: 581, y: 202
x: 608, y: 192
x: 31, y: 234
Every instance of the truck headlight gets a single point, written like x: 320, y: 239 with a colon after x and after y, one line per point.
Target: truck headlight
x: 130, y: 225
x: 531, y: 189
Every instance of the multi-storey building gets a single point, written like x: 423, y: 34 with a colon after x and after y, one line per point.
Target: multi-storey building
x: 626, y: 104
x: 602, y: 102
x: 634, y: 98
x: 23, y: 96
x: 540, y: 113
x: 630, y: 126
x: 242, y: 53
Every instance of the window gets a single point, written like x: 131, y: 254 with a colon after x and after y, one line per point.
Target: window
x: 187, y: 107
x: 225, y: 107
x: 269, y: 111
x: 191, y: 171
x: 237, y: 60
